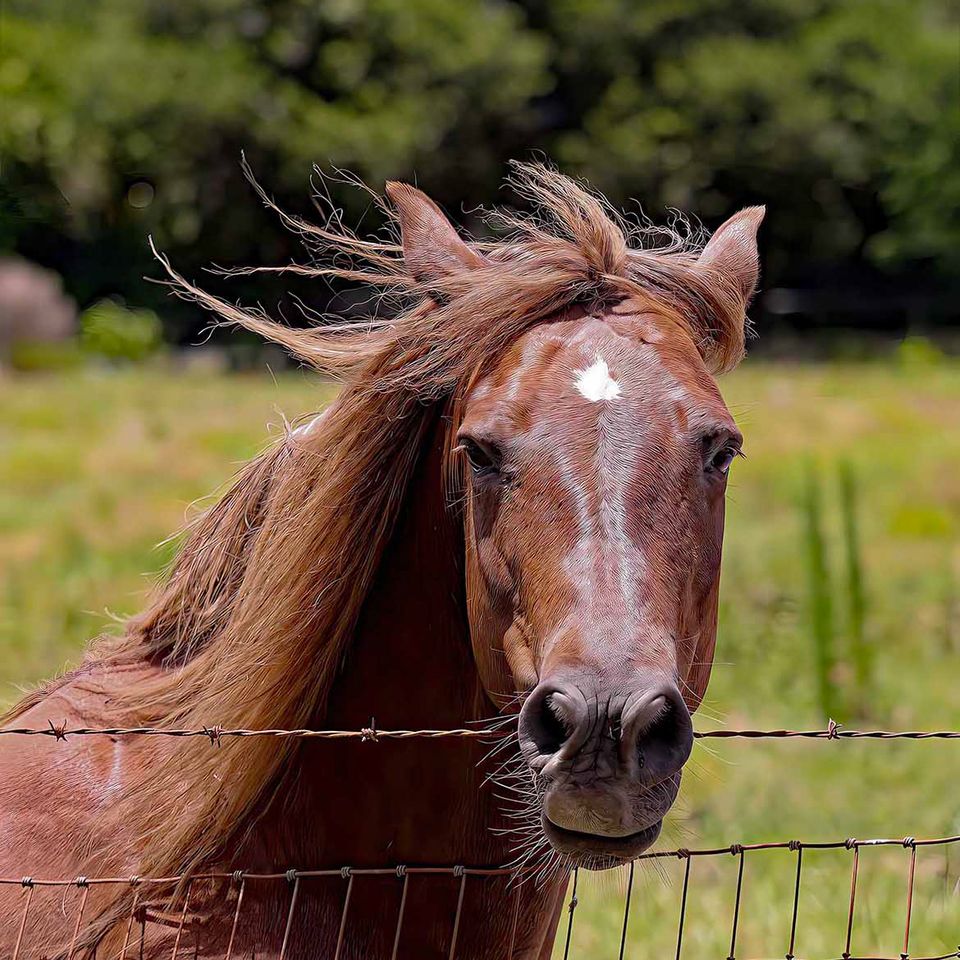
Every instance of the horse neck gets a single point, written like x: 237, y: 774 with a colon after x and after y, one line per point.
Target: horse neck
x: 410, y: 666
x: 411, y: 802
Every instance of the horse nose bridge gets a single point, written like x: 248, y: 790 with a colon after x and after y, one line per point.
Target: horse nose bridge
x: 604, y: 647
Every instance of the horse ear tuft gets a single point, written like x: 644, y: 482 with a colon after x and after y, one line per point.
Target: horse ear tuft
x: 731, y: 252
x: 432, y: 248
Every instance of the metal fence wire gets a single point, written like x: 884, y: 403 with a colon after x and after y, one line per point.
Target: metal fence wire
x: 216, y: 733
x: 151, y: 907
x: 150, y: 904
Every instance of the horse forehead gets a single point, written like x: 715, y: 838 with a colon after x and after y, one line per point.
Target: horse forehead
x: 570, y: 377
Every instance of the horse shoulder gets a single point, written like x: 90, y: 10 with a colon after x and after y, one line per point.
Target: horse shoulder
x: 54, y: 794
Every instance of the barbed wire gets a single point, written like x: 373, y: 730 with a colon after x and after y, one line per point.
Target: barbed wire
x: 144, y: 911
x: 217, y: 733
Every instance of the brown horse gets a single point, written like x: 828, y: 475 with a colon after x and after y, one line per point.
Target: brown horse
x: 515, y: 502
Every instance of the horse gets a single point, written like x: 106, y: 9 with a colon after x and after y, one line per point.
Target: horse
x: 513, y: 508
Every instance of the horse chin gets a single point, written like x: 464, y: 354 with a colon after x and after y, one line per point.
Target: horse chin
x: 595, y: 852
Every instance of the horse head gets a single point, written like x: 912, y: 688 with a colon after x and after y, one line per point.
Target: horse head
x: 594, y: 452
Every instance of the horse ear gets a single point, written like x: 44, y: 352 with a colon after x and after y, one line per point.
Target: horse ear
x: 432, y: 248
x: 732, y: 251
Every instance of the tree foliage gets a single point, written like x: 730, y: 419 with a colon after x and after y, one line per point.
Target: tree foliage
x: 842, y: 116
x: 123, y: 117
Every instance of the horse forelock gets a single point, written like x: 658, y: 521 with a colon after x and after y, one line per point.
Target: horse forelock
x: 254, y: 620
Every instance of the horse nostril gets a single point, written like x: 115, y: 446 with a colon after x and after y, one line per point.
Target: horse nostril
x: 658, y: 732
x: 659, y: 735
x: 549, y: 732
x: 552, y: 722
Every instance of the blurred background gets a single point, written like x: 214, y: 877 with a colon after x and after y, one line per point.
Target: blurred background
x: 841, y: 595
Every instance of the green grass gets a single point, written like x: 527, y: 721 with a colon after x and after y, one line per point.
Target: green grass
x: 98, y: 468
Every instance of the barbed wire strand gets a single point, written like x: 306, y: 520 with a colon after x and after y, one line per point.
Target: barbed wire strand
x: 216, y: 734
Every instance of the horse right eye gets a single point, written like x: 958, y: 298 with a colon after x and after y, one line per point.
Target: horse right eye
x: 484, y: 458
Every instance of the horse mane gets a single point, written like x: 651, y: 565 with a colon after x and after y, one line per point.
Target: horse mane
x: 254, y: 620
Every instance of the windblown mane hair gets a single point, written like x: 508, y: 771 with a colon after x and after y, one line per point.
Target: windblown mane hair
x: 262, y: 602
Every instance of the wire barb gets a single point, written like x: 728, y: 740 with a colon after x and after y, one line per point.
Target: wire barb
x: 58, y: 730
x: 214, y: 733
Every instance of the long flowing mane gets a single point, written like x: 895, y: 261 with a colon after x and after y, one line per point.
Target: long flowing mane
x: 254, y: 620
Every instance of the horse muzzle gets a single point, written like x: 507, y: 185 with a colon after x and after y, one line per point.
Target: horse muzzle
x: 610, y: 764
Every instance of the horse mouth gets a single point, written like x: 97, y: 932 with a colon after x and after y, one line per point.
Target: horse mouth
x: 597, y: 852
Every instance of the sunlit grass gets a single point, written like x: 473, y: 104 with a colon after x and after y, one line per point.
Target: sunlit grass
x: 97, y: 469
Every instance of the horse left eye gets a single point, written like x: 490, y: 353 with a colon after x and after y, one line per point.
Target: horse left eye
x: 720, y: 461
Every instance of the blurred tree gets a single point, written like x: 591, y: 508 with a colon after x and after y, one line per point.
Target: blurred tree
x: 123, y: 117
x: 842, y: 116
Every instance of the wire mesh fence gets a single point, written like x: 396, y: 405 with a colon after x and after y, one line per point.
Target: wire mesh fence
x: 731, y: 923
x: 183, y: 920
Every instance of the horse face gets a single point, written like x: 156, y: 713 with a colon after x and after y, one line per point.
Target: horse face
x: 598, y: 452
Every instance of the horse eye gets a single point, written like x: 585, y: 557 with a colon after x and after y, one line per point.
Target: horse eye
x: 483, y: 457
x: 721, y: 460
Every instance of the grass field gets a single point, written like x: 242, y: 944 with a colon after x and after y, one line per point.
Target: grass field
x: 97, y: 468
